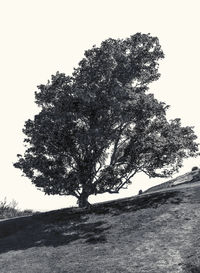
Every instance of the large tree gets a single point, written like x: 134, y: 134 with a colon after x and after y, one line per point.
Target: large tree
x: 100, y: 126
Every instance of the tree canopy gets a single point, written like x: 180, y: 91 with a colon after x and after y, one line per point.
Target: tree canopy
x: 100, y: 126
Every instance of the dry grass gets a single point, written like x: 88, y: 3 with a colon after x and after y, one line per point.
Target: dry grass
x: 151, y: 233
x: 10, y: 210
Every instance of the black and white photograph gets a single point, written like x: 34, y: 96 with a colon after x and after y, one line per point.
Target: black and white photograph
x: 100, y: 136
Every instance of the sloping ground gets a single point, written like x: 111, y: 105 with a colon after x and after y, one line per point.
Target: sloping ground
x: 161, y: 186
x: 154, y: 233
x: 187, y: 178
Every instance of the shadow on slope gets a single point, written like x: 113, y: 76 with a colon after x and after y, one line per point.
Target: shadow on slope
x: 68, y: 225
x: 37, y: 233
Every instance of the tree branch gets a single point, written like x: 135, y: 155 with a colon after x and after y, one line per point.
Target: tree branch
x: 113, y: 156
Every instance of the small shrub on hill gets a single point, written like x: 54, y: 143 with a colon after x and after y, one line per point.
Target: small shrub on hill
x: 9, y: 209
x: 195, y: 168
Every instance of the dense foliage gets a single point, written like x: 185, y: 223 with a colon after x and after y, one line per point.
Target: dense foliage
x: 100, y: 126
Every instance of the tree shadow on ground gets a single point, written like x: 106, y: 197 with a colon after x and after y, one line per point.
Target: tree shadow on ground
x: 48, y: 231
x: 62, y: 227
x: 153, y: 200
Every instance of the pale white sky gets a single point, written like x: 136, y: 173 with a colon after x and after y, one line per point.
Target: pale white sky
x: 40, y: 37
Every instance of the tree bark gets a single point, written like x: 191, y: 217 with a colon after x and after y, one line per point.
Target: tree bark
x: 83, y: 200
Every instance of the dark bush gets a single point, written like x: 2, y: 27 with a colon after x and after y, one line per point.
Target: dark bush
x: 195, y: 168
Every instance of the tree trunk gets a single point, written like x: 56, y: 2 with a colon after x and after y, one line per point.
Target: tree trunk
x: 83, y: 200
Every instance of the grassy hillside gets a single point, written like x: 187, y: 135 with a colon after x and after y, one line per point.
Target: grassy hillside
x: 154, y: 233
x: 188, y: 178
